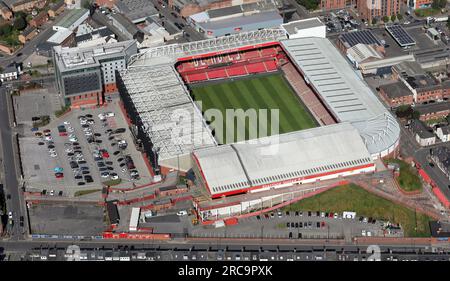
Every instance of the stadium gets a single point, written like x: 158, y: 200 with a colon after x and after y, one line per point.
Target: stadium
x: 331, y: 125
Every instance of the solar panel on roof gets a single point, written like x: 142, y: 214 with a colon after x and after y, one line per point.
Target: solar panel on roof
x: 360, y: 37
x: 400, y: 35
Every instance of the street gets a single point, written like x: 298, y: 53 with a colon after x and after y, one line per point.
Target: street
x: 15, y: 204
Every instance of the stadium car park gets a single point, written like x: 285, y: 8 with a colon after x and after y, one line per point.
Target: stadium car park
x: 80, y: 151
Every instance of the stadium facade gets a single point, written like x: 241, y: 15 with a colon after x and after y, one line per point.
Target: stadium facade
x: 153, y: 87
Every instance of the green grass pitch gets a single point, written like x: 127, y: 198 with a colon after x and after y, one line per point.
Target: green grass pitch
x: 263, y: 92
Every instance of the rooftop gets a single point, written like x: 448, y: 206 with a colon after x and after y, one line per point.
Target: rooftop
x: 242, y: 20
x: 294, y: 26
x: 350, y: 39
x: 136, y: 10
x: 345, y: 93
x: 433, y: 107
x: 361, y: 52
x: 71, y: 17
x: 81, y: 57
x: 297, y: 154
x: 396, y: 90
x: 165, y: 107
x: 421, y: 129
x: 409, y: 68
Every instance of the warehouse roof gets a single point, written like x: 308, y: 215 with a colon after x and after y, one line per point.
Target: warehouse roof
x: 396, y: 90
x: 294, y: 26
x: 345, y: 93
x: 433, y: 107
x: 296, y: 154
x: 72, y: 17
x: 257, y: 18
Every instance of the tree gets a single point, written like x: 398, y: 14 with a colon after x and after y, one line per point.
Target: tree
x: 399, y: 17
x: 385, y: 19
x: 438, y: 4
x: 393, y: 18
x: 309, y: 4
x: 20, y: 23
x: 374, y: 21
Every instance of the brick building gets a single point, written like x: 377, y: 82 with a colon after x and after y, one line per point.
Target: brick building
x: 396, y: 94
x: 56, y: 9
x: 336, y: 4
x: 27, y: 34
x: 84, y: 75
x: 433, y: 111
x: 377, y: 9
x: 28, y: 5
x: 39, y: 19
x: 5, y: 11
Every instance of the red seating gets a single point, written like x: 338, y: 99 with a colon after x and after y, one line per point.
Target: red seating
x: 237, y: 71
x: 256, y: 67
x: 271, y: 65
x: 216, y: 74
x: 242, y: 63
x: 196, y: 77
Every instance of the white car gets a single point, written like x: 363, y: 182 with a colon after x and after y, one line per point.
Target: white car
x: 10, y: 215
x: 52, y: 192
x: 66, y: 123
x: 101, y: 116
x: 48, y: 138
x: 114, y: 177
x: 363, y: 232
x: 182, y: 213
x: 69, y: 150
x: 406, y: 23
x: 110, y: 114
x: 73, y: 139
x: 53, y: 154
x: 83, y: 122
x: 369, y: 233
x: 70, y: 129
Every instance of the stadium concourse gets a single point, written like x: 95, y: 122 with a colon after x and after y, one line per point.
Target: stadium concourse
x: 157, y: 82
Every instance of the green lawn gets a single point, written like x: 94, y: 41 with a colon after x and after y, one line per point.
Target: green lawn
x: 426, y: 12
x: 85, y: 192
x: 409, y: 179
x: 354, y: 198
x: 265, y: 92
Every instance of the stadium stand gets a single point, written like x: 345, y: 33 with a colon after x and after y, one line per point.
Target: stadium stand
x: 251, y: 61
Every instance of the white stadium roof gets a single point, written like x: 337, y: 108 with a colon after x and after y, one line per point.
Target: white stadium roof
x: 367, y: 130
x: 164, y: 106
x: 344, y: 91
x: 283, y: 157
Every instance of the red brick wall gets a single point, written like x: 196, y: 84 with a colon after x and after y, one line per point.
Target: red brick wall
x: 332, y: 4
x: 85, y: 100
x: 110, y: 88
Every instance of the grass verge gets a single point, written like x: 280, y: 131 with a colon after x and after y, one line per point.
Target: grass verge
x: 354, y: 198
x: 85, y: 192
x: 409, y: 179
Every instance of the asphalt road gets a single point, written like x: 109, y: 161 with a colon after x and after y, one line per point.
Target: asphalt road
x: 28, y: 49
x: 9, y: 167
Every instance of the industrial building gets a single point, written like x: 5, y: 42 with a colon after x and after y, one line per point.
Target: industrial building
x: 231, y: 20
x: 85, y: 74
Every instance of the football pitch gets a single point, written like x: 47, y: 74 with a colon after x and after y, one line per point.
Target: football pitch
x: 263, y: 92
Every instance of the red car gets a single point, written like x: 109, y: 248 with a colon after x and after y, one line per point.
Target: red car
x: 63, y: 134
x: 105, y: 154
x: 59, y: 175
x: 47, y: 131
